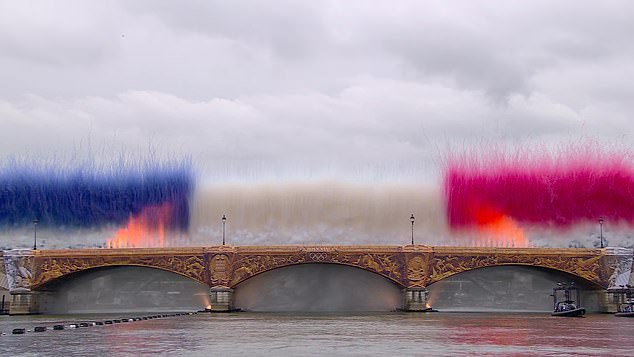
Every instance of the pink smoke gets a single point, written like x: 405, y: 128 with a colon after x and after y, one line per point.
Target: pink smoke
x: 540, y: 187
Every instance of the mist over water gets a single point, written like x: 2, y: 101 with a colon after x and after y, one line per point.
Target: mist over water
x: 318, y: 287
x: 121, y: 289
x: 505, y: 288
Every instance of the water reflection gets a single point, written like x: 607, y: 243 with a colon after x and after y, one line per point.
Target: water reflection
x: 274, y: 334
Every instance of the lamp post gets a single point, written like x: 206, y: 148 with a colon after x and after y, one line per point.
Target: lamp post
x: 601, y: 230
x: 35, y: 222
x: 224, y: 220
x: 411, y: 219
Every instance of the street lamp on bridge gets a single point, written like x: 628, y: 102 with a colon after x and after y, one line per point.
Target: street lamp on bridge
x: 411, y: 219
x: 601, y: 230
x: 224, y: 220
x: 35, y: 222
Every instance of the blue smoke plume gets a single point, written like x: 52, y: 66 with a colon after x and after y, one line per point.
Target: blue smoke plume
x: 85, y: 195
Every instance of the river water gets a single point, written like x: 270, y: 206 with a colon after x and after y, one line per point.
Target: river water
x: 275, y: 334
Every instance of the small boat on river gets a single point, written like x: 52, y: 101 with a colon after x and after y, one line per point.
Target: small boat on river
x: 626, y: 311
x: 567, y: 307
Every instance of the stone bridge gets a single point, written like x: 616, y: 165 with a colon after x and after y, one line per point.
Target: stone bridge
x: 411, y: 267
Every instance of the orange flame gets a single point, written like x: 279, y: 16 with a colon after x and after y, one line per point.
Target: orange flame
x: 146, y: 229
x: 499, y: 230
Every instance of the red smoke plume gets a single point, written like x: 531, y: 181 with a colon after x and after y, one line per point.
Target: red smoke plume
x: 539, y: 188
x: 146, y: 229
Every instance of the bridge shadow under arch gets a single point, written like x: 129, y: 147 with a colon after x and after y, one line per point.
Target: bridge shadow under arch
x: 318, y: 287
x: 122, y: 288
x: 507, y: 287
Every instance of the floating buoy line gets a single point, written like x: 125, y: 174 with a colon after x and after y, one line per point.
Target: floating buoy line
x: 84, y: 324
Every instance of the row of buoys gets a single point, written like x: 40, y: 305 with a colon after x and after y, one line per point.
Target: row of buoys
x: 22, y: 331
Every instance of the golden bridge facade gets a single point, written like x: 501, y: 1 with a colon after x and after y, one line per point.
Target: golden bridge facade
x: 222, y: 268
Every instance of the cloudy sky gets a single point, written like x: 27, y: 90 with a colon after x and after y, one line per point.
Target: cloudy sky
x: 309, y: 88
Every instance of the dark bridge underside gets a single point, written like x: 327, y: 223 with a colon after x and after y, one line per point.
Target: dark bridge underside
x: 122, y: 288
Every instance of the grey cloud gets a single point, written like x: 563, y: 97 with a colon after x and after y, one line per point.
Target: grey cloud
x: 379, y: 123
x: 498, y: 49
x: 290, y: 28
x: 40, y: 33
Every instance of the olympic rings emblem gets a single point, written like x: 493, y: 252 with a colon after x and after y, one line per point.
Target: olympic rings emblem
x: 318, y: 256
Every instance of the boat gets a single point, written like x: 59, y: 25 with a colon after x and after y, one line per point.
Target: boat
x: 626, y: 311
x: 427, y: 309
x: 567, y: 307
x: 624, y: 298
x: 209, y: 309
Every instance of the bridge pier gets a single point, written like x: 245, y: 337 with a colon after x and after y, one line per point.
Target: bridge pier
x: 221, y: 299
x: 23, y: 302
x: 606, y: 302
x: 415, y: 299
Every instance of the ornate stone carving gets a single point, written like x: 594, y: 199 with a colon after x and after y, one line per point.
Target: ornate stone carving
x: 412, y: 267
x: 418, y: 270
x: 4, y: 280
x: 584, y: 266
x: 220, y: 270
x: 19, y: 267
x: 50, y: 268
x: 248, y: 264
x: 619, y: 268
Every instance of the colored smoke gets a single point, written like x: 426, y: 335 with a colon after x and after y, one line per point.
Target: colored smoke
x: 318, y: 212
x: 146, y: 229
x: 577, y: 184
x: 145, y: 198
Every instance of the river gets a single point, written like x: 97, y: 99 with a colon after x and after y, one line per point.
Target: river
x: 275, y: 334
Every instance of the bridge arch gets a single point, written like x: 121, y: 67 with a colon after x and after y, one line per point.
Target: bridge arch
x: 54, y: 268
x: 242, y: 278
x: 71, y: 275
x: 585, y: 264
x: 508, y: 287
x: 318, y: 287
x: 589, y: 281
x: 388, y: 265
x: 121, y: 288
